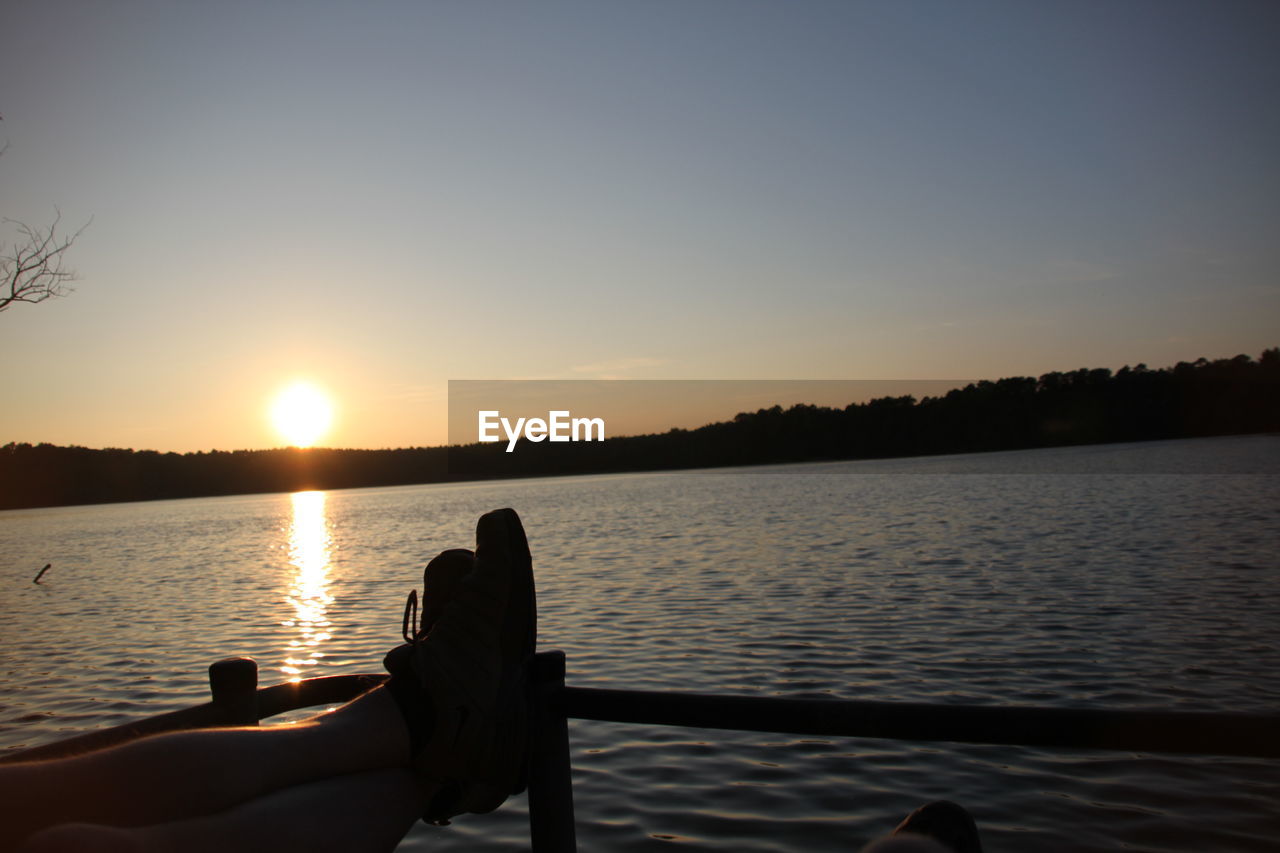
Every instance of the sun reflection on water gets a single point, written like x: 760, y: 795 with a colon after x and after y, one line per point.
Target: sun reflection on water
x: 309, y: 546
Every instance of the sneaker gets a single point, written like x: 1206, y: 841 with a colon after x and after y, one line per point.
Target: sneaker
x: 470, y: 661
x: 439, y: 585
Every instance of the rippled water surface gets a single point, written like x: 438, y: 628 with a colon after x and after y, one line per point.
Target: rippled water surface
x: 969, y: 580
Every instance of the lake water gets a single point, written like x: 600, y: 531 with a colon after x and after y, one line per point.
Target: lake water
x: 1118, y: 576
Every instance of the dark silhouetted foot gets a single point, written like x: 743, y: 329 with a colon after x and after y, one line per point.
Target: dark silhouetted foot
x: 462, y: 679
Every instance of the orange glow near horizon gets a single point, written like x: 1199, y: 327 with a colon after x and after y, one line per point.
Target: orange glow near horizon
x: 302, y: 414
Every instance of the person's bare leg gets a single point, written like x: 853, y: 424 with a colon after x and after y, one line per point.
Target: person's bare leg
x: 358, y: 813
x: 179, y: 775
x: 470, y: 665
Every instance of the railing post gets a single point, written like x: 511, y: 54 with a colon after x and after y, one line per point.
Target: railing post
x: 234, y: 685
x: 551, y: 824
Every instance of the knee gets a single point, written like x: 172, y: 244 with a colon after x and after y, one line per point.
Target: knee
x: 81, y: 838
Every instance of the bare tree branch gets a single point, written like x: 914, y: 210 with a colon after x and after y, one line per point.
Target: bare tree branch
x: 31, y: 269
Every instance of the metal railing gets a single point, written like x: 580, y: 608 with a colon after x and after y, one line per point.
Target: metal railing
x: 238, y: 701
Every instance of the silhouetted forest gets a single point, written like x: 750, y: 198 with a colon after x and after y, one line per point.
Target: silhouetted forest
x: 1203, y: 398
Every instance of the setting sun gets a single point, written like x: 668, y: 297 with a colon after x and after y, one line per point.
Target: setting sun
x: 302, y: 414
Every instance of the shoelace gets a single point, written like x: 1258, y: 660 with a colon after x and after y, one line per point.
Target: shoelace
x: 410, y: 618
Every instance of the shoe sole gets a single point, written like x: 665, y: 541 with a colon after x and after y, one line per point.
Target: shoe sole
x: 500, y: 537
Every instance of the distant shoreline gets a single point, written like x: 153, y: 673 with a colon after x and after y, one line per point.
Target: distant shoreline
x: 534, y: 476
x: 1239, y: 396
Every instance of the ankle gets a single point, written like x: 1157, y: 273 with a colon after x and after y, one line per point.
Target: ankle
x: 375, y: 720
x: 412, y: 709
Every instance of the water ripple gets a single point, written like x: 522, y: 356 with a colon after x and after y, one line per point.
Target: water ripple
x: 906, y: 580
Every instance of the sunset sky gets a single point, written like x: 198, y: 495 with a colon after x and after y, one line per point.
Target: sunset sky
x: 379, y: 197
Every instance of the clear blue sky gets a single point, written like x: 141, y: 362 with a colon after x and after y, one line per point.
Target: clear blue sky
x: 383, y: 196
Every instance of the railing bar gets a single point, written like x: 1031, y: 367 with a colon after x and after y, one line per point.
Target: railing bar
x: 1193, y: 732
x: 270, y: 701
x: 1253, y: 735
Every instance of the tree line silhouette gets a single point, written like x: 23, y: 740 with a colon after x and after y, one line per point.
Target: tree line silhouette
x: 1202, y: 398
